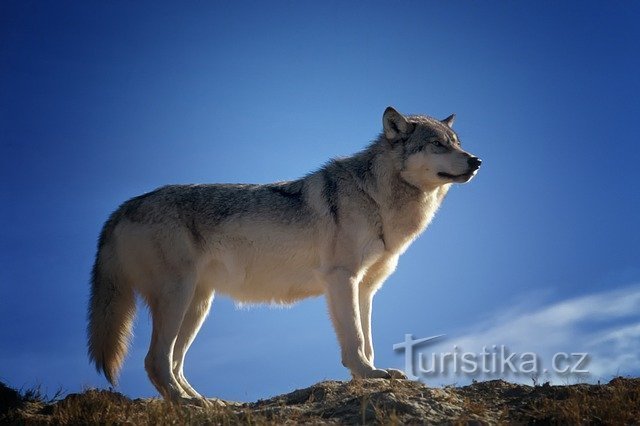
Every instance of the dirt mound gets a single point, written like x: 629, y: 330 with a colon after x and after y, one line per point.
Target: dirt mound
x: 354, y: 402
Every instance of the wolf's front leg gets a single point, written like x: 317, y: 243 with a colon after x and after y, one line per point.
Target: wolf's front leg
x: 342, y: 297
x: 365, y: 299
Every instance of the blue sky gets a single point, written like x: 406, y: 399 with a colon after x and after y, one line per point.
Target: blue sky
x: 103, y: 101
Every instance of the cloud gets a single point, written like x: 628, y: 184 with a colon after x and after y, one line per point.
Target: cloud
x: 605, y: 325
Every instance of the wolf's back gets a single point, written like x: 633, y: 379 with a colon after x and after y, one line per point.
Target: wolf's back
x: 111, y: 307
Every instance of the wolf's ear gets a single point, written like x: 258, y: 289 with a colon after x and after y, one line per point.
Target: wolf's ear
x: 449, y: 120
x: 395, y: 124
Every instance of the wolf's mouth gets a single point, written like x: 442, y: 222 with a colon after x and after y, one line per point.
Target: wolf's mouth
x: 463, y: 177
x: 450, y: 176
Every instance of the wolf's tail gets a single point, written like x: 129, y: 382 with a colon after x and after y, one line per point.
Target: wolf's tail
x: 112, y: 308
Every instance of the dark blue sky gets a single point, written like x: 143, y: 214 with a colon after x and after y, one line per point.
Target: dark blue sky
x: 102, y: 101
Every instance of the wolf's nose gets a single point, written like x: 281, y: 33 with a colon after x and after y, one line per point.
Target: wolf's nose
x: 474, y: 162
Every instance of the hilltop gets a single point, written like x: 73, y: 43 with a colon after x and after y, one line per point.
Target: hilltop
x: 356, y: 402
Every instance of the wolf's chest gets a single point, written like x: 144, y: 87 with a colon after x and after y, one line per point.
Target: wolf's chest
x: 402, y: 225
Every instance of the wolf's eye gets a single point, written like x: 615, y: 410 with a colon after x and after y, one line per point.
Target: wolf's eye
x: 436, y: 143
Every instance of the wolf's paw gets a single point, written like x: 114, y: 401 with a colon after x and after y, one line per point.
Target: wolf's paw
x: 386, y: 373
x: 396, y: 374
x: 374, y: 373
x: 378, y: 373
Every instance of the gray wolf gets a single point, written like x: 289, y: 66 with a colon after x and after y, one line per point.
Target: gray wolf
x: 336, y: 232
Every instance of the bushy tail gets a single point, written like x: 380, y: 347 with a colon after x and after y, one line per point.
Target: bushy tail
x: 112, y: 309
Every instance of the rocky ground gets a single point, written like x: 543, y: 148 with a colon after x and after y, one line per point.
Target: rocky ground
x: 356, y: 402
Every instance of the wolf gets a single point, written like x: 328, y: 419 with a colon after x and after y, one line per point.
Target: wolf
x: 337, y: 232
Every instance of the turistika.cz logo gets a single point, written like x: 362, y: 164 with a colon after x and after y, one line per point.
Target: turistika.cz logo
x: 492, y: 361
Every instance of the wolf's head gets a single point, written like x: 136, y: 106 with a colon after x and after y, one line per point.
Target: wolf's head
x: 430, y: 150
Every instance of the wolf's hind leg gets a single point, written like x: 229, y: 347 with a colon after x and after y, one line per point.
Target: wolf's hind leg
x: 193, y: 320
x: 168, y: 309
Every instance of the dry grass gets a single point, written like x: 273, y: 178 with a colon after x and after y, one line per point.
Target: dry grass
x: 356, y: 402
x: 615, y: 403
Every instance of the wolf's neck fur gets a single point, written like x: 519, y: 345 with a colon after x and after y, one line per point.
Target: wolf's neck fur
x: 404, y: 209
